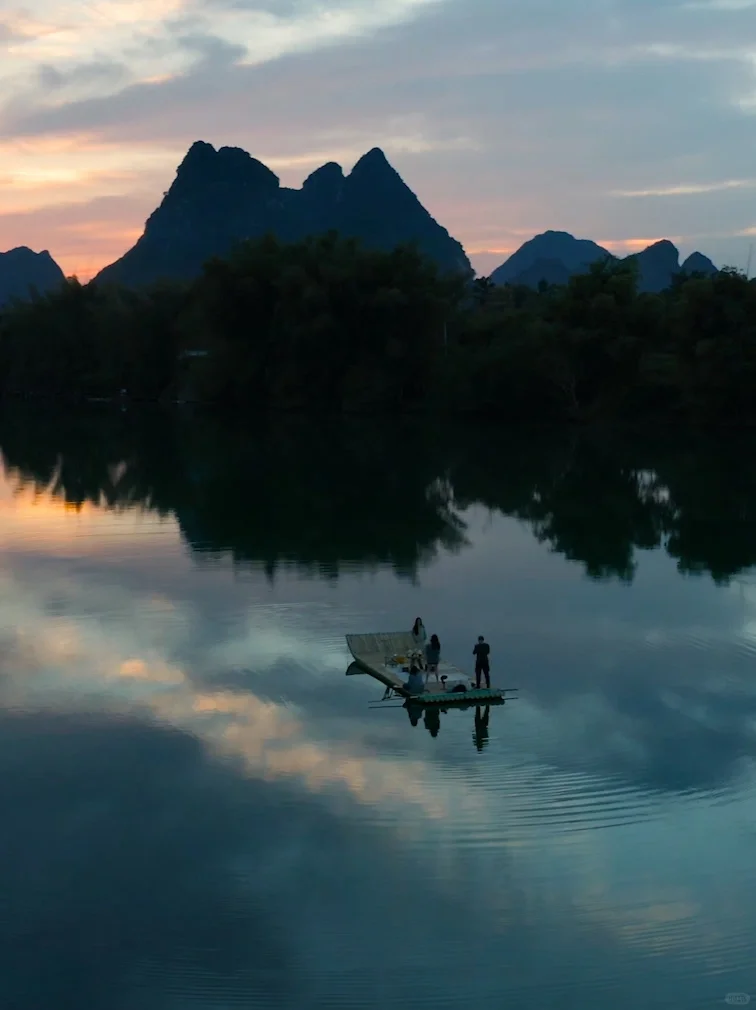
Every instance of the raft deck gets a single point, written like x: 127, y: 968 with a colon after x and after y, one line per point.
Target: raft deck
x: 377, y: 654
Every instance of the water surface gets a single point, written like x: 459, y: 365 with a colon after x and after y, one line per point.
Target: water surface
x: 201, y: 810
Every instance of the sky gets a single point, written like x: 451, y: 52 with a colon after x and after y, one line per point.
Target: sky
x: 624, y: 121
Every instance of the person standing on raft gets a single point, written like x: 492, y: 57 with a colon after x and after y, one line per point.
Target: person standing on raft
x: 432, y: 656
x: 482, y: 653
x: 419, y: 634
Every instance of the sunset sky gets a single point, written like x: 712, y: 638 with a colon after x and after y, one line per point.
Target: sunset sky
x: 620, y: 120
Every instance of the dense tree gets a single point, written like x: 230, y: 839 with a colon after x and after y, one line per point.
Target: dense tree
x: 327, y: 325
x: 84, y: 341
x: 321, y: 324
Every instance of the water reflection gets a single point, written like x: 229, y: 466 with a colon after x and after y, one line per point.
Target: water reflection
x: 480, y: 733
x: 320, y: 499
x: 281, y: 496
x: 116, y: 879
x: 327, y: 496
x: 429, y: 716
x: 198, y: 806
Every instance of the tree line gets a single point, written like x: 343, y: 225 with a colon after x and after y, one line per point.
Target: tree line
x: 327, y: 325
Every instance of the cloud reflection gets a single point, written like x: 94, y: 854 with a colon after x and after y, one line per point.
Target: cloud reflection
x: 623, y: 710
x: 220, y: 726
x: 79, y: 663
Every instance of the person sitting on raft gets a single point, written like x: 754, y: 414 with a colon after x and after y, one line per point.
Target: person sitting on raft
x: 433, y: 655
x: 415, y: 683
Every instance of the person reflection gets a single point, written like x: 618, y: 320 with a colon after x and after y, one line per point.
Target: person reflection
x: 414, y: 711
x: 432, y: 719
x: 480, y: 733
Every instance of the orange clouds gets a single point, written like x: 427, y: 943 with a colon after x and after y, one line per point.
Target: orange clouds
x: 461, y: 96
x: 625, y: 246
x: 47, y: 171
x: 85, y: 202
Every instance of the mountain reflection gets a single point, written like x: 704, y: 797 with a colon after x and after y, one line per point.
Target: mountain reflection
x: 322, y: 495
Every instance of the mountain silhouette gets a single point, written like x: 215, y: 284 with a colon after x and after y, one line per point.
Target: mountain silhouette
x: 555, y: 256
x: 375, y: 205
x: 550, y: 271
x: 24, y: 273
x: 575, y: 254
x: 697, y: 263
x: 657, y: 265
x: 221, y: 197
x: 217, y: 198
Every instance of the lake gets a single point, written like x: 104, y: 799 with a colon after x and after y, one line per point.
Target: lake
x: 201, y: 810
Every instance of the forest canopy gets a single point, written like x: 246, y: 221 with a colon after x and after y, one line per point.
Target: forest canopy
x: 328, y: 325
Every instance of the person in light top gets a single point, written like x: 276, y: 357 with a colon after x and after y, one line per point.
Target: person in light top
x: 419, y: 634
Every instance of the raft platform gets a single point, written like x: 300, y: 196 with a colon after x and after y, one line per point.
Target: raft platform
x: 386, y: 656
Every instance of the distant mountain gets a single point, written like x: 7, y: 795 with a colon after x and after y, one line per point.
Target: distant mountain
x: 24, y: 272
x: 697, y: 263
x: 550, y: 271
x: 657, y: 265
x: 221, y: 197
x: 556, y: 256
x: 575, y: 254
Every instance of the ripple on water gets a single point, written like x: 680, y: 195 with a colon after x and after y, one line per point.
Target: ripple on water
x: 572, y: 866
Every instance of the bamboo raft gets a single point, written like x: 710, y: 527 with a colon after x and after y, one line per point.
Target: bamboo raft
x: 386, y: 656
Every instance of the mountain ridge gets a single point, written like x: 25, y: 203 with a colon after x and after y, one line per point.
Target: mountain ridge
x: 220, y: 197
x: 554, y: 256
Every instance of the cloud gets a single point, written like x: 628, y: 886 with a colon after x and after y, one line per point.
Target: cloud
x: 305, y: 27
x: 74, y: 165
x: 720, y: 5
x: 505, y: 117
x: 688, y: 189
x: 83, y: 74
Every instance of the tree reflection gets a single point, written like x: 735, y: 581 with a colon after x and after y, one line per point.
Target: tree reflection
x: 320, y: 496
x: 328, y: 496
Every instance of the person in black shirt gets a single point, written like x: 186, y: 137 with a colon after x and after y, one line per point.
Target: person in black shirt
x: 482, y: 651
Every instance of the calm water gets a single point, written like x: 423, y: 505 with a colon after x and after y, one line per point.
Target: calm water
x: 199, y: 809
